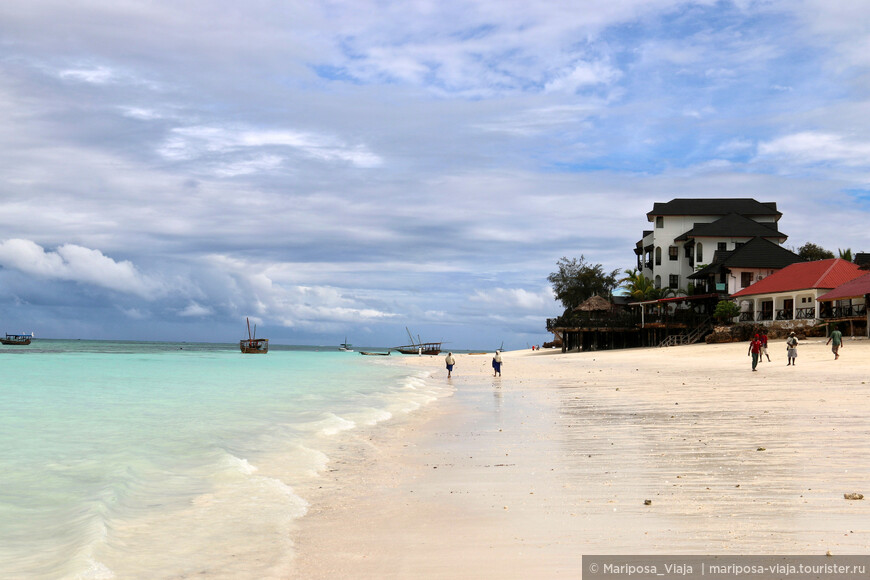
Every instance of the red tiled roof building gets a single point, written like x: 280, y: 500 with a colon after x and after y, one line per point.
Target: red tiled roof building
x: 793, y: 292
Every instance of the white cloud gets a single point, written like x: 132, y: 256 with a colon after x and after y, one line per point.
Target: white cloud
x: 195, y: 309
x: 76, y: 263
x: 141, y: 113
x: 98, y: 75
x: 581, y: 75
x: 269, y: 290
x: 187, y: 143
x: 134, y: 313
x: 259, y: 164
x: 516, y: 298
x: 813, y: 147
x: 736, y: 146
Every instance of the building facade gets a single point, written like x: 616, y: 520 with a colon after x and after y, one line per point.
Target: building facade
x: 687, y: 233
x: 793, y: 292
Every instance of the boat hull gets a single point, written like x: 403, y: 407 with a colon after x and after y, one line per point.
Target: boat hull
x: 430, y: 348
x: 254, y: 346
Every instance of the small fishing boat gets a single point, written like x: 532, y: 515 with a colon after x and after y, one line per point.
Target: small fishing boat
x: 418, y: 346
x: 17, y: 339
x: 345, y: 346
x: 252, y: 344
x: 366, y: 353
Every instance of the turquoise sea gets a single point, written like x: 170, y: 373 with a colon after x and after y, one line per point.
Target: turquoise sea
x: 169, y: 460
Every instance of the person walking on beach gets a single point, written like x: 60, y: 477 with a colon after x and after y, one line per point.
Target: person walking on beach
x: 837, y: 338
x: 791, y: 343
x: 496, y: 364
x: 450, y: 362
x: 763, y: 347
x: 754, y: 350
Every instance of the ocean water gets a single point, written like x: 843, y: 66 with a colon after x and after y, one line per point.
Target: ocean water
x: 162, y: 460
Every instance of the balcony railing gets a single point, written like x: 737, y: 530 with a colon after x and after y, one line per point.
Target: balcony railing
x: 765, y: 315
x: 805, y: 313
x: 784, y: 314
x: 854, y: 310
x: 748, y: 316
x: 626, y: 319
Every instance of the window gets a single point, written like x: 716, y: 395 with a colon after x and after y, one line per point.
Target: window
x: 673, y: 253
x: 688, y: 251
x: 658, y: 256
x: 674, y: 281
x: 658, y: 281
x: 723, y: 246
x: 660, y: 221
x: 745, y: 279
x: 699, y: 252
x: 738, y: 244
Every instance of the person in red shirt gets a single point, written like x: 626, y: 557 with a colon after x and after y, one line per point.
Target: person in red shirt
x: 754, y: 350
x: 764, y: 347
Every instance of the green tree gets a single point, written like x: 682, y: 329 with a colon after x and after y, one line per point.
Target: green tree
x: 726, y: 310
x: 576, y: 280
x: 811, y: 252
x: 638, y: 286
x: 845, y: 254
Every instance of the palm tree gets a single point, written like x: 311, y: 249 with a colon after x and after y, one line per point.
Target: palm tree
x: 845, y: 254
x: 638, y: 286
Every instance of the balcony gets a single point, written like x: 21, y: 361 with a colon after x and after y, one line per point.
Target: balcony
x: 805, y: 313
x: 853, y: 311
x: 784, y: 314
x: 626, y: 319
x: 595, y: 320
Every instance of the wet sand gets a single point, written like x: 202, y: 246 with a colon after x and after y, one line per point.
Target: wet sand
x: 681, y: 450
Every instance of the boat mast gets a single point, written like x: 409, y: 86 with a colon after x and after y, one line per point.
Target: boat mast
x: 249, y: 327
x: 411, y: 337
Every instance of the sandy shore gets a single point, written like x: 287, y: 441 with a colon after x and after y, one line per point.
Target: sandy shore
x: 646, y: 451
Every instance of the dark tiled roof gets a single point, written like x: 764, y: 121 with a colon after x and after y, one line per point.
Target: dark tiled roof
x: 714, y: 206
x: 732, y: 226
x: 756, y: 253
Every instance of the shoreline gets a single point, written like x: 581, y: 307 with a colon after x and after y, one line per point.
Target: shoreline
x: 519, y: 476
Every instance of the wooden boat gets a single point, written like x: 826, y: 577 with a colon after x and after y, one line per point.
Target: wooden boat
x: 252, y: 344
x: 17, y: 339
x: 418, y: 346
x: 374, y: 353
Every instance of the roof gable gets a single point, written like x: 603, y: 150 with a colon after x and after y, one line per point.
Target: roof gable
x: 819, y: 274
x: 761, y: 253
x: 714, y: 206
x: 756, y: 253
x: 732, y: 226
x: 855, y: 288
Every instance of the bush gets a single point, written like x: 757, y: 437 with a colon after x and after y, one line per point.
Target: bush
x: 726, y: 310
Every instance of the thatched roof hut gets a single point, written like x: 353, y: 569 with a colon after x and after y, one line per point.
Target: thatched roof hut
x: 594, y: 303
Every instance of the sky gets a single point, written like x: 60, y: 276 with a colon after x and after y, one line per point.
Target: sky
x: 344, y: 169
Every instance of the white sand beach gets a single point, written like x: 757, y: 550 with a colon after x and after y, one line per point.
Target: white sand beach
x: 682, y: 450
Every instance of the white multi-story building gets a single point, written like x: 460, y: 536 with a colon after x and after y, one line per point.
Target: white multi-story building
x: 687, y: 233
